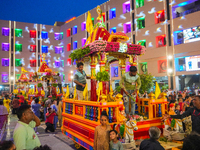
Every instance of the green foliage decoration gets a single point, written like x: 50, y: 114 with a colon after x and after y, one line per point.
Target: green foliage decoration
x: 103, y: 76
x: 146, y: 82
x: 39, y: 85
x: 54, y: 84
x: 79, y: 53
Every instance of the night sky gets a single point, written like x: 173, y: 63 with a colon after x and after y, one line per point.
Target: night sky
x: 44, y: 11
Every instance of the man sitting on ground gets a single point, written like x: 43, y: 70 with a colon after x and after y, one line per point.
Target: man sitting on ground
x: 152, y: 143
x: 49, y: 120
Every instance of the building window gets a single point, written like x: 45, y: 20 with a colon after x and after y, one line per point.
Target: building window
x: 32, y: 34
x: 141, y: 23
x: 187, y: 35
x: 69, y: 47
x: 162, y: 66
x: 58, y: 36
x: 18, y: 32
x: 33, y: 63
x: 112, y: 13
x: 69, y: 77
x: 5, y: 31
x: 83, y: 41
x: 75, y: 45
x: 5, y: 46
x: 83, y: 26
x: 18, y: 63
x: 159, y: 16
x: 44, y: 49
x: 44, y: 35
x: 126, y: 7
x: 4, y: 78
x: 68, y: 32
x: 32, y: 48
x: 18, y: 47
x: 114, y: 30
x: 142, y: 43
x: 185, y: 8
x: 58, y: 49
x: 93, y: 21
x: 178, y: 37
x: 57, y: 64
x: 75, y: 30
x: 127, y: 27
x: 69, y: 62
x: 161, y: 40
x: 47, y: 62
x: 63, y: 77
x: 139, y: 3
x: 5, y: 62
x: 62, y: 63
x: 17, y: 76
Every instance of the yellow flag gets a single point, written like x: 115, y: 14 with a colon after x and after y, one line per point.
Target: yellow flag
x: 67, y: 92
x: 111, y: 90
x: 157, y: 91
x: 75, y: 92
x: 89, y: 24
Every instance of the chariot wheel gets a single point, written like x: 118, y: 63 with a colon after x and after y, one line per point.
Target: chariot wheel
x: 77, y: 146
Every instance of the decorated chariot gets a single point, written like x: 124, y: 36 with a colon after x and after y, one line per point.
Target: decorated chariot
x: 80, y: 117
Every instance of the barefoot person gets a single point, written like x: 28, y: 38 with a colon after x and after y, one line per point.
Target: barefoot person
x: 80, y: 80
x: 130, y: 84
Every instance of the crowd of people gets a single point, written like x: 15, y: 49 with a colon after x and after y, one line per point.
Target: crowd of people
x: 30, y: 117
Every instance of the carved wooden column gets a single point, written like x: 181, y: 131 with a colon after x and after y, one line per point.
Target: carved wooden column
x: 93, y: 64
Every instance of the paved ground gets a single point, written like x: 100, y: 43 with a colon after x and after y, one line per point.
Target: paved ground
x: 56, y: 140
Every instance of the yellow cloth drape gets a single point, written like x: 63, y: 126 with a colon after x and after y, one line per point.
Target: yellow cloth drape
x: 85, y: 92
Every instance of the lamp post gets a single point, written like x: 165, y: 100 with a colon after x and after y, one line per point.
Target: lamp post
x: 170, y: 70
x: 72, y: 77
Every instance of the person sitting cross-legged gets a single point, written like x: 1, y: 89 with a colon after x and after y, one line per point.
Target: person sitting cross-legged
x: 49, y: 120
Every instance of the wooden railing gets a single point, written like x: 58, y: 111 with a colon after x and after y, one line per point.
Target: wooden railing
x: 153, y: 108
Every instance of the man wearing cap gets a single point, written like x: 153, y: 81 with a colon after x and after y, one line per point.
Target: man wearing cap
x: 130, y: 84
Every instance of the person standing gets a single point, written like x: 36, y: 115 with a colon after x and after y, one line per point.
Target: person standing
x: 80, y: 80
x: 194, y: 112
x: 54, y: 107
x: 59, y: 103
x: 24, y: 136
x: 36, y: 110
x: 58, y: 78
x: 130, y: 84
x: 15, y: 104
x: 6, y: 103
x: 45, y: 87
x: 21, y: 97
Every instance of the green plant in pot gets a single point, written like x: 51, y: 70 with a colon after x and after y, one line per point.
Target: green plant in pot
x: 103, y: 77
x: 39, y: 85
x: 54, y: 84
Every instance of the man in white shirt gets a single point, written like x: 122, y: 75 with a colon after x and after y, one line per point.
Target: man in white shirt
x: 45, y: 87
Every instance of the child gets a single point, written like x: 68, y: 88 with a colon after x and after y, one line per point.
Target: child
x: 49, y: 120
x: 115, y: 144
x: 180, y: 102
x: 101, y: 136
x: 177, y: 109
